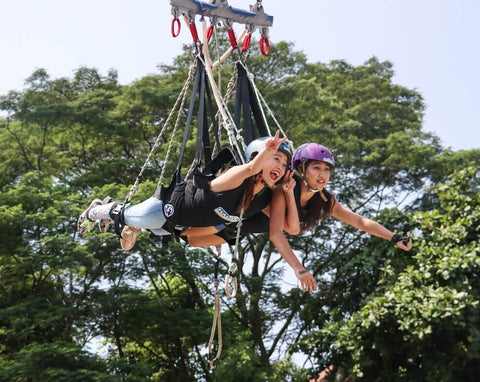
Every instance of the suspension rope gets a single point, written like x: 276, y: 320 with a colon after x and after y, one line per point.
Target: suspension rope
x: 179, y: 103
x: 233, y: 268
x: 233, y: 133
x: 264, y: 104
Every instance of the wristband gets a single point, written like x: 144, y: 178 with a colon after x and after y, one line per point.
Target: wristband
x: 396, y: 238
x: 403, y: 238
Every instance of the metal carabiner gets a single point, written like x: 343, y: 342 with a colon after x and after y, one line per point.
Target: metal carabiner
x: 176, y: 26
x: 264, y: 46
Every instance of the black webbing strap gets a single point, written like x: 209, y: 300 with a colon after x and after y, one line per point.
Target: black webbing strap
x: 205, y: 109
x: 247, y: 105
x: 198, y: 79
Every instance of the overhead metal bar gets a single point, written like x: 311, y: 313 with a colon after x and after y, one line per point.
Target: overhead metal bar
x: 221, y: 10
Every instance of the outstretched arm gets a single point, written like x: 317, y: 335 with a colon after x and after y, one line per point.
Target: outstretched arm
x: 365, y: 224
x: 235, y: 176
x: 278, y: 208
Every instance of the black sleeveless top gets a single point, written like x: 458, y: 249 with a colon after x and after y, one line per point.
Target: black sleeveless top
x: 195, y: 207
x: 260, y: 223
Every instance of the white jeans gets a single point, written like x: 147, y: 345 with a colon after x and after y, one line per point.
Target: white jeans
x: 147, y: 215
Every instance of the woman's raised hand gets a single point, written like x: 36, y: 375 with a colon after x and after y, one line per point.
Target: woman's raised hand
x: 274, y: 143
x: 288, y: 183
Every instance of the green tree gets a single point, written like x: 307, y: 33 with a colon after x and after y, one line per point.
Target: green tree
x: 421, y: 323
x: 67, y: 141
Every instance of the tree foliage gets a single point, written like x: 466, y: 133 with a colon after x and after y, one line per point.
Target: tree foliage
x: 80, y: 308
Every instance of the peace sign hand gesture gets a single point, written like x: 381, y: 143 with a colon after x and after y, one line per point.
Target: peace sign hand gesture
x: 274, y: 143
x: 288, y: 183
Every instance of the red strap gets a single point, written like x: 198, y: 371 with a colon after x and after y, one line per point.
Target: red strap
x: 246, y: 42
x: 233, y: 40
x: 210, y: 29
x: 193, y: 31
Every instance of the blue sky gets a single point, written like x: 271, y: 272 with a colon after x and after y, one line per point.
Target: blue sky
x: 433, y: 44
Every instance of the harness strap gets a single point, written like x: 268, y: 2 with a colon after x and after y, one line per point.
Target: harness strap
x: 116, y: 214
x: 246, y: 100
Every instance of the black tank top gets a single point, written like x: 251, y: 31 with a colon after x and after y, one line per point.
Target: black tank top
x: 195, y: 207
x: 260, y: 223
x: 302, y: 211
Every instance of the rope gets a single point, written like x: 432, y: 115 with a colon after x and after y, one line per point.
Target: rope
x: 177, y: 122
x: 233, y: 132
x: 217, y: 318
x: 178, y: 105
x: 233, y: 268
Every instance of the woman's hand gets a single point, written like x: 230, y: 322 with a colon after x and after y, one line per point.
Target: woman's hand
x: 407, y: 247
x: 306, y: 279
x: 288, y: 183
x: 274, y: 143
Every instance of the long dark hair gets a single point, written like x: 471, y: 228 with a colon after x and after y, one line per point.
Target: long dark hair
x: 247, y: 197
x: 317, y: 210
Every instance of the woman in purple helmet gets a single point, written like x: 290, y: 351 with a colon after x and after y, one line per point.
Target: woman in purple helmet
x: 312, y: 164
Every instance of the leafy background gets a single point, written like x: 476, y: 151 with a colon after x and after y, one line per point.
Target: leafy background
x: 74, y: 308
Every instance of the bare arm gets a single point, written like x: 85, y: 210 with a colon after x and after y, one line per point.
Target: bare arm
x: 235, y: 176
x: 365, y: 224
x: 277, y: 237
x: 292, y: 223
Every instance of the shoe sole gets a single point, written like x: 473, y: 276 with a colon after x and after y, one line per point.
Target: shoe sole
x: 130, y: 238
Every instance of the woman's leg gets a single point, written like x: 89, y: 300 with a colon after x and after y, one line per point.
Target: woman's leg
x: 147, y: 214
x: 101, y: 212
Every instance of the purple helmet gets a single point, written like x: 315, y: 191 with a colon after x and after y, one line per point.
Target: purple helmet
x: 312, y: 151
x: 257, y: 145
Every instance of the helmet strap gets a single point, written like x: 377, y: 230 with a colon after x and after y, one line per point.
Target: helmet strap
x: 310, y: 189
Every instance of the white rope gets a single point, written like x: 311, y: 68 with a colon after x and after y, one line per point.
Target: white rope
x: 233, y: 268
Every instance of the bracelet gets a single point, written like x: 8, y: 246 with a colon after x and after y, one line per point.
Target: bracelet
x: 302, y: 271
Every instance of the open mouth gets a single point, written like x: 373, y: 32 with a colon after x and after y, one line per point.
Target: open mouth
x: 274, y: 175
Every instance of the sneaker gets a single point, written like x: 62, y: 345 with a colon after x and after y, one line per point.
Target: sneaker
x: 84, y: 223
x: 104, y: 224
x: 129, y: 237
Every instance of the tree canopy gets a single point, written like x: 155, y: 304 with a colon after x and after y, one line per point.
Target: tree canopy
x: 81, y: 308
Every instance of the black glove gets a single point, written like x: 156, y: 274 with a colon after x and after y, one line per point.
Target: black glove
x: 403, y: 237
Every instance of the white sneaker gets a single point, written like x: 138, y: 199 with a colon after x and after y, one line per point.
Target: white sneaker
x: 84, y: 223
x: 104, y: 224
